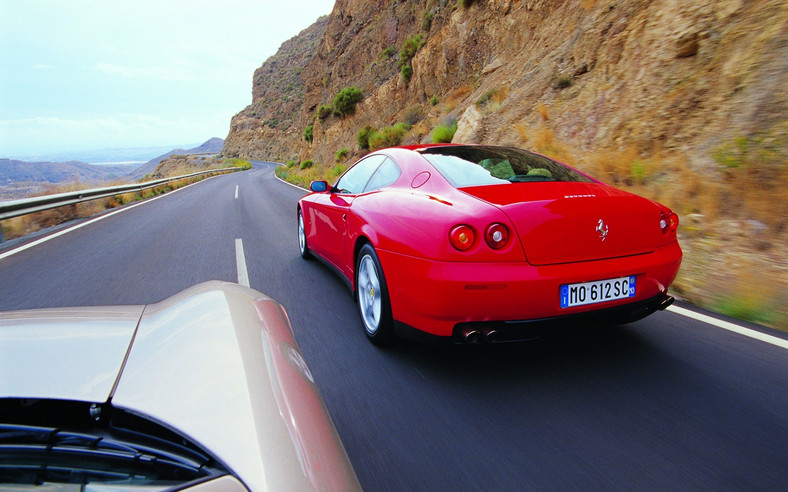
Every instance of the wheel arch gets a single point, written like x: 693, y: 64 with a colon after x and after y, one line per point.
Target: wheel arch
x: 361, y: 240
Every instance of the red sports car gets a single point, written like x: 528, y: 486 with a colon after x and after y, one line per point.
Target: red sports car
x: 475, y: 243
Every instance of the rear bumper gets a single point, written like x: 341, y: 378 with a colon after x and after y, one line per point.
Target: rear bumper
x: 439, y: 298
x: 514, y: 331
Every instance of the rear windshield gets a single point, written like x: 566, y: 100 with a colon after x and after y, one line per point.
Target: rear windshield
x: 480, y: 165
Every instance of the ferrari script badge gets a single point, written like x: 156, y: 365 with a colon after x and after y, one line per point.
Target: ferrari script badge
x: 602, y: 229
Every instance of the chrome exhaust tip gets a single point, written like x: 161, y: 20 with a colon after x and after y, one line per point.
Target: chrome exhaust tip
x: 471, y: 335
x: 665, y: 302
x: 490, y: 335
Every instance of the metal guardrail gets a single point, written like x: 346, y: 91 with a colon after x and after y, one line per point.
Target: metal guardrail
x: 24, y: 206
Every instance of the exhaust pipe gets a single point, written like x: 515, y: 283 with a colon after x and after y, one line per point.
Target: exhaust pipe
x: 664, y: 302
x: 471, y: 335
x: 490, y: 334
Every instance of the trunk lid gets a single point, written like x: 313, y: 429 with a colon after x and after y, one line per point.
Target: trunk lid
x: 571, y: 222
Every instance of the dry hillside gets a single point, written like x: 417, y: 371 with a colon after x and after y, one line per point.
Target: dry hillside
x: 682, y: 101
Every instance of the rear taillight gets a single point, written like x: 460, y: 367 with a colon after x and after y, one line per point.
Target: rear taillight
x: 462, y: 237
x: 497, y: 236
x: 668, y: 222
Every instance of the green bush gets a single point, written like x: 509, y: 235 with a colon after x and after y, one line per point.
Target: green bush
x: 388, y: 52
x: 434, y: 100
x: 409, y: 48
x: 341, y: 154
x: 426, y: 20
x: 407, y: 72
x: 362, y: 137
x: 444, y: 133
x: 335, y: 172
x: 389, y: 136
x: 306, y: 164
x: 308, y: 133
x: 324, y: 111
x: 562, y: 82
x: 345, y: 102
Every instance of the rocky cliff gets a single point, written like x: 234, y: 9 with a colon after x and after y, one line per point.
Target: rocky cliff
x: 674, y: 75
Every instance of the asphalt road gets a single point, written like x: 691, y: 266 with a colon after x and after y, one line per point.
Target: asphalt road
x: 667, y: 403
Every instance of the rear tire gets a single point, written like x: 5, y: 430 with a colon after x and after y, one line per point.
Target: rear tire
x: 372, y: 297
x: 303, y: 247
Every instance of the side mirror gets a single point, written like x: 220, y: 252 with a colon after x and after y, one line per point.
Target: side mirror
x: 318, y: 186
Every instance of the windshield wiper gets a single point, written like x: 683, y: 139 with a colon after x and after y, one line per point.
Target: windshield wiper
x: 58, y: 453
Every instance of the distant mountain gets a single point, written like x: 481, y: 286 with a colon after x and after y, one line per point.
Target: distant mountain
x: 20, y: 179
x: 212, y: 146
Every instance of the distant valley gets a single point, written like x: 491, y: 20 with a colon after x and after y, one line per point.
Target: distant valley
x: 20, y: 179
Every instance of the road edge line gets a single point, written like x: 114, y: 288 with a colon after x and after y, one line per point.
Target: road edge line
x: 44, y: 239
x: 726, y: 325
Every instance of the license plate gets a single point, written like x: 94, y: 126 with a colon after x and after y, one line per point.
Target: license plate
x: 597, y: 291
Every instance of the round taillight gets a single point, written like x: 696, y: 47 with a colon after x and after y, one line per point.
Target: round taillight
x: 497, y: 236
x: 668, y: 221
x: 462, y: 237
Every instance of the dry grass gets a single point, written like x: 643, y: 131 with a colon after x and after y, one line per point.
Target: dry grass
x: 543, y: 112
x: 457, y: 95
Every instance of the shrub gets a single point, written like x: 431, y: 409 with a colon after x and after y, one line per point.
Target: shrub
x: 324, y: 111
x: 345, y: 102
x: 308, y: 133
x: 407, y: 72
x: 362, y: 137
x: 426, y: 20
x: 492, y: 94
x: 434, y: 100
x: 335, y: 172
x: 562, y: 82
x: 306, y: 164
x: 492, y: 100
x: 388, y: 136
x: 388, y: 52
x: 341, y: 154
x: 409, y: 49
x: 444, y: 133
x: 413, y: 115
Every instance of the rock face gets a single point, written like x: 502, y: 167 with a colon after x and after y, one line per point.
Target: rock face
x: 671, y: 75
x: 265, y: 129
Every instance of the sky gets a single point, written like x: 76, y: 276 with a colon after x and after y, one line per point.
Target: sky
x: 78, y: 75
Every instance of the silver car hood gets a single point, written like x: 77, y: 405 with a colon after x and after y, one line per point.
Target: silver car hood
x: 69, y: 353
x: 217, y: 363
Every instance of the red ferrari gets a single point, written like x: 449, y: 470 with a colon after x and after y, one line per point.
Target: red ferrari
x: 475, y: 243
